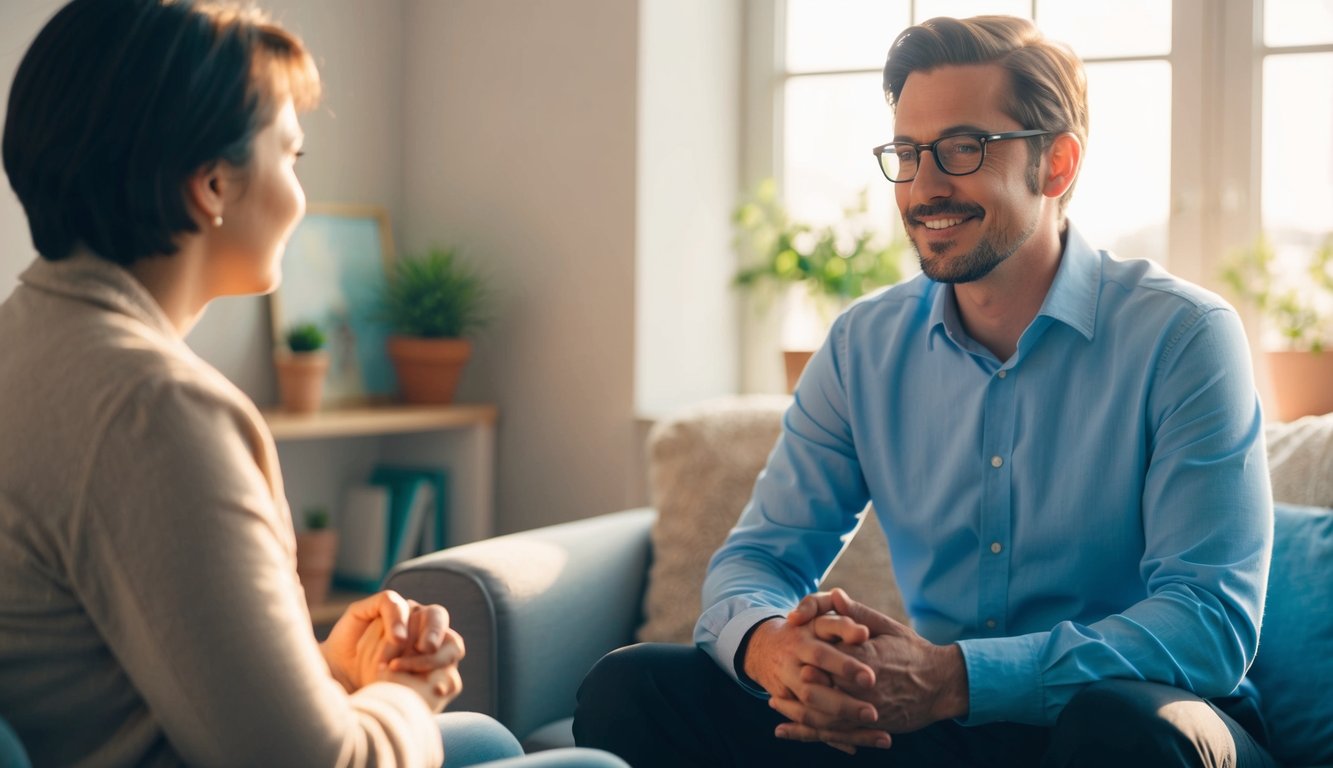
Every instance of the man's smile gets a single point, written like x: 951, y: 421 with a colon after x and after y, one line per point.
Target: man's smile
x: 944, y: 216
x: 941, y: 223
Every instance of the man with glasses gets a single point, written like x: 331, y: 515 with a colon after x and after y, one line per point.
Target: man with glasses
x: 1064, y: 449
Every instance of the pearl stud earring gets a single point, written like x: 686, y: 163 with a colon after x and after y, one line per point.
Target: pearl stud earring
x: 217, y: 221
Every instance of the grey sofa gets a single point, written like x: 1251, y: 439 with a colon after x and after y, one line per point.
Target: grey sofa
x: 532, y: 632
x: 537, y: 609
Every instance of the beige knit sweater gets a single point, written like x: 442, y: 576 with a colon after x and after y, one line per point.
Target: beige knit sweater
x: 150, y: 612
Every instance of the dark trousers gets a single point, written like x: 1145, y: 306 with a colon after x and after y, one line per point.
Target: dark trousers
x: 670, y: 705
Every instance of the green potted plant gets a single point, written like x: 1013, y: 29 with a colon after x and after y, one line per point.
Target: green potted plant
x: 316, y: 553
x: 1295, y: 298
x: 301, y: 367
x: 834, y: 264
x: 431, y: 302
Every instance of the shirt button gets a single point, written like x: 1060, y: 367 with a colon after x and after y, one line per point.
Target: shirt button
x: 990, y: 623
x: 1002, y: 374
x: 996, y: 461
x: 995, y: 547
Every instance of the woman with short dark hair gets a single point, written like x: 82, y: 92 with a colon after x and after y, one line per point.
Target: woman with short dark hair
x: 150, y: 612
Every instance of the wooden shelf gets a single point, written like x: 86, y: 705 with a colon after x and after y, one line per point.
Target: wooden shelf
x: 388, y: 418
x: 460, y: 437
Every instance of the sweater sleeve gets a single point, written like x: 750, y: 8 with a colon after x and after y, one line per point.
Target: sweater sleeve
x: 184, y: 559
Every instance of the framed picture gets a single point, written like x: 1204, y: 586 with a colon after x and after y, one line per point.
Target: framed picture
x: 333, y: 275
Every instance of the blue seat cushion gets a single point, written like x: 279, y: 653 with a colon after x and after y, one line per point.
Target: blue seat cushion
x: 12, y: 754
x: 1294, y: 669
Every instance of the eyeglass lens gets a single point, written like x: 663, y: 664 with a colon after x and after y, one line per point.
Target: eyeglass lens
x: 959, y: 155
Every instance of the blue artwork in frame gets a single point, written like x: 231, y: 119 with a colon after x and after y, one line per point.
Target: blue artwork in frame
x: 333, y: 275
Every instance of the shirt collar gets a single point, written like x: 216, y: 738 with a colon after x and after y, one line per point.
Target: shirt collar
x: 85, y: 277
x: 1072, y: 298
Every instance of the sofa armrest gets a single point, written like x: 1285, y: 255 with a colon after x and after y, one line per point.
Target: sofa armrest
x: 536, y: 610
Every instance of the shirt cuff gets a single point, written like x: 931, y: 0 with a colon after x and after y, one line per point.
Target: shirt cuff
x: 1004, y: 679
x: 729, y: 643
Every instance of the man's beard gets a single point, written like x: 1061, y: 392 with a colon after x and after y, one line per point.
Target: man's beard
x: 975, y: 264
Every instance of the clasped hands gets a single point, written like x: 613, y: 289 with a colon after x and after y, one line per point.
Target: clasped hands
x: 386, y: 637
x: 849, y: 676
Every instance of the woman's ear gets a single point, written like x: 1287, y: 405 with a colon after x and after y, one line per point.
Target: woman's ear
x: 1062, y: 164
x: 205, y: 191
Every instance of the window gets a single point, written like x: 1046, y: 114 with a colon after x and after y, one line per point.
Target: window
x: 1297, y: 126
x: 1208, y: 120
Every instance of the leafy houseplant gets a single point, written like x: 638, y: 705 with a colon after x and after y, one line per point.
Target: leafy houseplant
x: 430, y: 303
x: 305, y: 337
x: 1300, y: 306
x: 316, y: 553
x: 835, y: 263
x: 1296, y: 300
x: 301, y: 369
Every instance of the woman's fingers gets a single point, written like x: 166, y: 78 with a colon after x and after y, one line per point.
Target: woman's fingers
x: 394, y: 610
x: 428, y: 625
x: 450, y: 650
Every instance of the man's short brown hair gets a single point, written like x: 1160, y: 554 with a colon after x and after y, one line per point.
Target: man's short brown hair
x: 1048, y: 86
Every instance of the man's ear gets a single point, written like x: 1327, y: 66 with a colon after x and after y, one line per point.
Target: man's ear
x: 205, y: 192
x: 1062, y: 164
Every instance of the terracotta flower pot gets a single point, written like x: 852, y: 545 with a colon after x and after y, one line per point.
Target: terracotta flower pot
x: 795, y: 361
x: 316, y: 552
x: 428, y: 369
x: 1302, y: 383
x: 301, y: 380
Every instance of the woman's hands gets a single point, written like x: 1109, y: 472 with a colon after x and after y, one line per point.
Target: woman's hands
x: 435, y: 677
x: 386, y: 637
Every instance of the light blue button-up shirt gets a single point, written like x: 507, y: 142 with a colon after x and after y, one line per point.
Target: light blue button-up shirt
x: 1097, y: 506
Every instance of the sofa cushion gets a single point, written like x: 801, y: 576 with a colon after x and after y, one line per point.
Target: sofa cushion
x: 1300, y: 460
x: 702, y: 467
x: 1294, y: 668
x: 1293, y: 671
x: 11, y: 749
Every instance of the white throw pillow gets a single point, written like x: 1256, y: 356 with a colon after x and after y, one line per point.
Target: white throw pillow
x: 702, y: 467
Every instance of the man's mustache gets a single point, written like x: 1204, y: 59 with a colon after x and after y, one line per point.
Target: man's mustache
x: 944, y: 208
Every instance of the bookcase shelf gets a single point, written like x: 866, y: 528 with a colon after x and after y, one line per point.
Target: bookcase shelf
x: 386, y: 419
x: 459, y: 437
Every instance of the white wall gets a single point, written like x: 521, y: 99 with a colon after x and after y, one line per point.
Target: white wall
x: 19, y: 22
x: 520, y: 134
x: 688, y: 166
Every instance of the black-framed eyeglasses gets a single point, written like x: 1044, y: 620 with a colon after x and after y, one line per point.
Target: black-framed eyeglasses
x: 956, y: 155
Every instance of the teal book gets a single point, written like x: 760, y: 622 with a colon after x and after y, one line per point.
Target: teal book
x: 401, y: 513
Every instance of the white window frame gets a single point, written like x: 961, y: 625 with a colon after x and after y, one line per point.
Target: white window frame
x: 1217, y: 55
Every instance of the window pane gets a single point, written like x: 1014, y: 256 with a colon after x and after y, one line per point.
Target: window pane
x: 1298, y: 22
x: 1122, y: 199
x: 1298, y: 146
x: 926, y: 9
x: 848, y: 34
x: 1108, y: 27
x: 832, y: 122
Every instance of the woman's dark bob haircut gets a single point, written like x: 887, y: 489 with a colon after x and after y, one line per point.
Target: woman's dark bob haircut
x: 118, y: 102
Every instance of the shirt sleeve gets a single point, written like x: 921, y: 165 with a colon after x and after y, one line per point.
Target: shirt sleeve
x: 1207, y: 519
x: 805, y: 504
x: 185, y: 563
